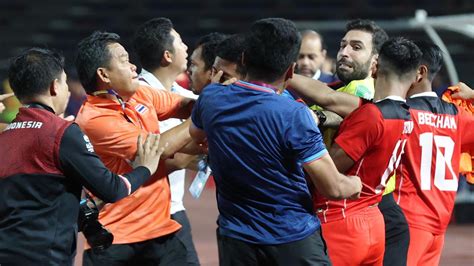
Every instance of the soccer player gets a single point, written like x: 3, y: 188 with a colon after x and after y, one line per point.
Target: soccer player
x: 370, y: 142
x: 259, y: 143
x: 431, y: 165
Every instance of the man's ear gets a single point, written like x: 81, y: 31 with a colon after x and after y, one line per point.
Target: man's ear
x: 167, y: 58
x: 54, y: 87
x: 290, y: 71
x: 374, y: 70
x: 102, y: 75
x: 373, y: 64
x: 324, y: 53
x: 421, y: 73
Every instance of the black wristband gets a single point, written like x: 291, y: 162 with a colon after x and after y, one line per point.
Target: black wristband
x: 321, y: 117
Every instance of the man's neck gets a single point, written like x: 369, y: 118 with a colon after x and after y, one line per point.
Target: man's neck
x: 278, y: 85
x: 44, y: 100
x: 166, y: 76
x: 389, y: 87
x: 420, y: 88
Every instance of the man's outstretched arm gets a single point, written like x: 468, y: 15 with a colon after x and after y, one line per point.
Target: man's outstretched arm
x: 316, y: 92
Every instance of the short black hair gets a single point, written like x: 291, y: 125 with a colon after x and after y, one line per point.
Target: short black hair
x: 231, y: 49
x: 400, y: 56
x: 272, y: 46
x: 379, y: 36
x: 208, y: 44
x: 151, y: 40
x: 92, y: 53
x: 432, y: 57
x: 32, y: 72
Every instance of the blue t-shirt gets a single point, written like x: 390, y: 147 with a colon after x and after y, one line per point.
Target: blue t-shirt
x: 258, y: 142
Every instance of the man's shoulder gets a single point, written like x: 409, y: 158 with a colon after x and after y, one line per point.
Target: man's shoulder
x: 183, y: 92
x: 327, y: 77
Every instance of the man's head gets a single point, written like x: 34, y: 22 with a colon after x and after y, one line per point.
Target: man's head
x: 312, y: 54
x: 359, y: 48
x: 431, y: 62
x: 229, y: 58
x: 271, y: 50
x: 38, y: 73
x: 202, y: 59
x: 399, y: 60
x: 432, y: 59
x: 103, y: 63
x: 157, y: 45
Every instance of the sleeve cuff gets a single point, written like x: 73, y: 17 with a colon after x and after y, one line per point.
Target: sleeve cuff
x: 315, y: 157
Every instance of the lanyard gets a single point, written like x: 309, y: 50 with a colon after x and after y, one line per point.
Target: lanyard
x: 119, y: 99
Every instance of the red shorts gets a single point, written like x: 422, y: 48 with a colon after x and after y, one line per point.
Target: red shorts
x: 359, y: 239
x: 425, y: 248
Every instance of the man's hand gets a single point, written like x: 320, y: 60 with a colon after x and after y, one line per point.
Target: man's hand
x: 464, y: 92
x: 2, y: 98
x: 358, y: 183
x: 217, y: 78
x: 149, y: 153
x: 67, y: 118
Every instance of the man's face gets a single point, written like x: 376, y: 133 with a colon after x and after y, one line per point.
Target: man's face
x: 311, y: 56
x: 228, y: 68
x: 199, y: 76
x: 180, y: 54
x: 355, y: 59
x: 62, y: 96
x: 121, y: 73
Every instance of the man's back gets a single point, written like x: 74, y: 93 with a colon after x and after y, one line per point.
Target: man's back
x: 257, y: 144
x: 35, y: 194
x: 373, y: 136
x: 431, y: 166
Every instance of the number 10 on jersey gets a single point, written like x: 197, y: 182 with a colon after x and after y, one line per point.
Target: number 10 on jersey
x: 444, y: 146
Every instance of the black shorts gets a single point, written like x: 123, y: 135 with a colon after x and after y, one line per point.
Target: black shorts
x: 397, y: 234
x: 308, y: 251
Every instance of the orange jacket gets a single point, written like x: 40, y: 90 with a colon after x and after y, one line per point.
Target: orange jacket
x: 467, y: 160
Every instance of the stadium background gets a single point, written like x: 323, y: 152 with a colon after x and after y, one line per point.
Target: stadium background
x: 61, y: 24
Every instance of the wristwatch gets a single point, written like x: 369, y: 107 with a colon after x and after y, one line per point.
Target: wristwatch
x: 321, y: 117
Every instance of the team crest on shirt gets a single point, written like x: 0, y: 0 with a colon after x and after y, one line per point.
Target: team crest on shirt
x: 140, y: 108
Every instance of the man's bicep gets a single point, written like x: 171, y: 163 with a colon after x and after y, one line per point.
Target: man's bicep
x: 323, y: 173
x: 342, y: 161
x: 342, y: 103
x: 197, y: 134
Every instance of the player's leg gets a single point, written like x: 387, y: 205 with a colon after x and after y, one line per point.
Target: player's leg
x: 420, y: 242
x: 433, y: 254
x: 347, y: 240
x: 397, y: 234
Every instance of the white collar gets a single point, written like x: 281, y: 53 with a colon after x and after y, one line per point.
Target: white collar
x: 317, y: 74
x: 393, y: 98
x: 425, y: 94
x: 151, y: 79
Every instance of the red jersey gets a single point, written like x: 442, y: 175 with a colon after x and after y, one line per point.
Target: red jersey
x: 430, y: 169
x: 373, y: 136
